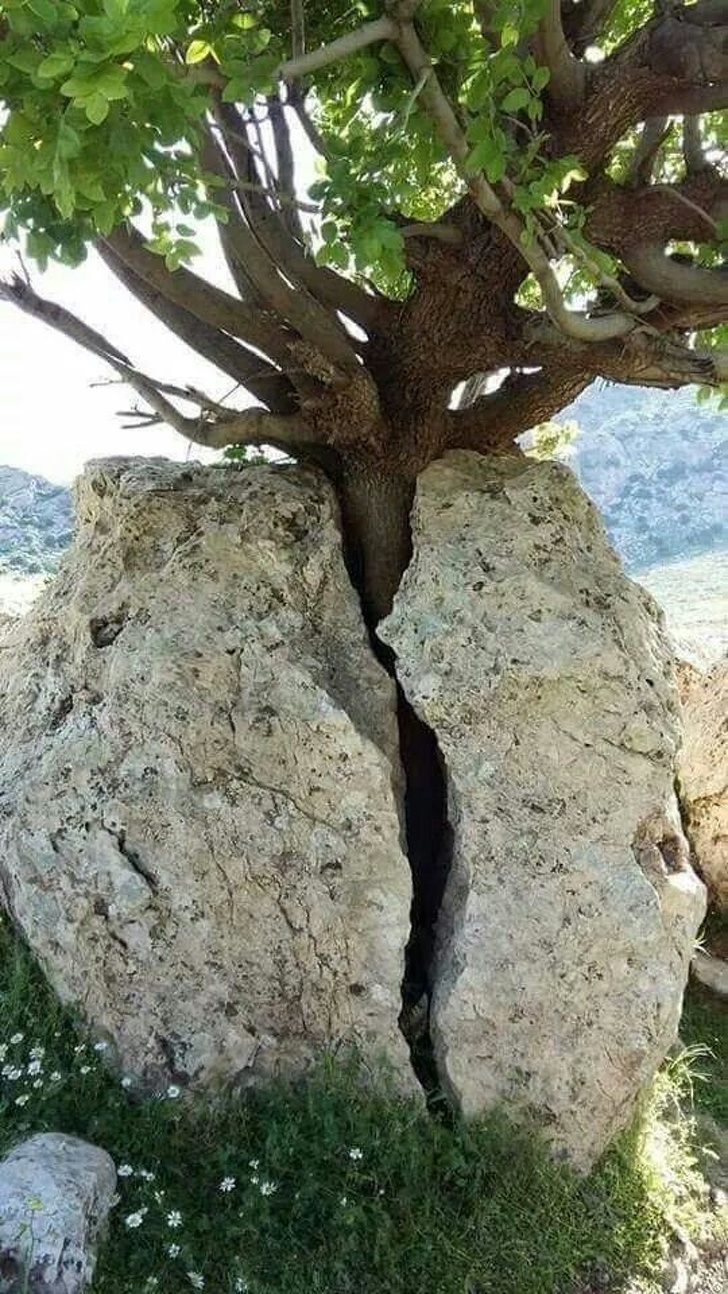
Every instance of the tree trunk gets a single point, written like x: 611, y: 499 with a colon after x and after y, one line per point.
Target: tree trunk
x: 375, y: 507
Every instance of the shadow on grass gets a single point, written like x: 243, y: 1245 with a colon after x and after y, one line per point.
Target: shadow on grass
x: 330, y: 1187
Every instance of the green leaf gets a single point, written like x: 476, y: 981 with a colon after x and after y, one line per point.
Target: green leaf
x: 516, y: 99
x: 197, y: 51
x: 509, y: 35
x: 57, y: 64
x: 96, y: 108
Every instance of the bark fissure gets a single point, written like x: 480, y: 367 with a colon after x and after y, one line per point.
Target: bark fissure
x: 377, y: 544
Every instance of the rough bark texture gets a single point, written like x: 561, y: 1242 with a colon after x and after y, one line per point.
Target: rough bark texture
x: 703, y: 774
x: 199, y: 825
x: 570, y: 911
x: 56, y: 1193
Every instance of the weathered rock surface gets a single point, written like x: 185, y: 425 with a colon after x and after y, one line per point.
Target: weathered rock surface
x: 703, y: 774
x: 199, y: 777
x: 55, y: 1196
x: 711, y: 972
x: 570, y: 911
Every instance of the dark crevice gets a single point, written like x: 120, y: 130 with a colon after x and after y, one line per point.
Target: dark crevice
x: 134, y: 860
x: 428, y: 840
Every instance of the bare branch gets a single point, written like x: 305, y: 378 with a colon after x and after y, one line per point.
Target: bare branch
x: 285, y: 182
x: 252, y: 371
x: 674, y: 281
x: 567, y: 83
x: 695, y: 161
x: 281, y: 248
x: 20, y: 293
x: 653, y: 135
x: 320, y: 328
x: 523, y: 400
x: 298, y: 29
x: 368, y: 34
x: 210, y: 304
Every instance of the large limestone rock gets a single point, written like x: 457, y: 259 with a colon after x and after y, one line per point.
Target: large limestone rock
x: 55, y: 1196
x: 199, y: 832
x: 570, y: 910
x: 703, y: 774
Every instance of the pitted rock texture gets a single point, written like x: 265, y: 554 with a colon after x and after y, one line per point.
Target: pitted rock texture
x: 56, y: 1193
x: 570, y: 911
x: 199, y: 778
x: 703, y: 774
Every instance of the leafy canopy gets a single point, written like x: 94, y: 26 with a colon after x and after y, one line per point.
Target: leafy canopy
x: 105, y: 98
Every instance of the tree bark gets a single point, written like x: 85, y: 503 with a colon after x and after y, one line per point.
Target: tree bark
x: 375, y: 507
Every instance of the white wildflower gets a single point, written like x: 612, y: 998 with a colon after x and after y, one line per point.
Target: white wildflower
x: 37, y: 1053
x: 174, y: 1219
x: 22, y: 1100
x: 356, y: 1153
x: 55, y: 1077
x: 3, y: 1050
x: 35, y: 1067
x: 81, y: 1047
x: 85, y: 1069
x: 173, y: 1092
x: 173, y: 1251
x: 227, y: 1184
x: 38, y: 1083
x: 254, y: 1179
x: 197, y: 1281
x: 124, y: 1170
x: 11, y: 1073
x: 126, y: 1082
x: 344, y: 1201
x: 145, y: 1175
x: 253, y: 1163
x: 268, y: 1188
x: 240, y: 1285
x: 16, y: 1038
x: 134, y: 1219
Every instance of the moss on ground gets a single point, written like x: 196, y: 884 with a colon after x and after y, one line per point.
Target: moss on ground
x: 336, y: 1186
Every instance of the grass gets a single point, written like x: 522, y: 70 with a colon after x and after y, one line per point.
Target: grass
x: 335, y: 1186
x: 704, y: 1028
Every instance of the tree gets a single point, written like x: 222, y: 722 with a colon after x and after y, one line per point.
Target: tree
x: 517, y: 197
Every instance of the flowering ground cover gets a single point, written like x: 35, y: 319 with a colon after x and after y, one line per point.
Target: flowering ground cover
x: 336, y: 1186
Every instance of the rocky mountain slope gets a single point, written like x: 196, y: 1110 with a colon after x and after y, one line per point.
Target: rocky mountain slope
x: 656, y: 464
x: 36, y: 519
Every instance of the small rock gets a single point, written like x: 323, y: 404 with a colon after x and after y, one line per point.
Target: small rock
x: 711, y: 972
x: 55, y: 1196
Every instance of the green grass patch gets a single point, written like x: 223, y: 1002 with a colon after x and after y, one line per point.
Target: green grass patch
x: 704, y: 1029
x: 334, y: 1186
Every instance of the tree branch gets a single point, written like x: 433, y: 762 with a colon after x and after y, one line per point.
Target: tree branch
x: 368, y: 34
x: 320, y: 329
x: 522, y: 401
x: 252, y: 371
x: 567, y: 84
x: 183, y: 288
x: 653, y: 135
x: 435, y: 102
x: 674, y: 281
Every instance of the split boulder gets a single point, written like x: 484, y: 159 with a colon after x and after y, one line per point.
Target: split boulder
x: 199, y: 779
x: 570, y: 911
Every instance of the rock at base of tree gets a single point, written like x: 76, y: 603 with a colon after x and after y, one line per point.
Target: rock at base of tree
x: 55, y: 1196
x: 711, y: 972
x: 703, y: 774
x: 570, y: 911
x: 199, y: 779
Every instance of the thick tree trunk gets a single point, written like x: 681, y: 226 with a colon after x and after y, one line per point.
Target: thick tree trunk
x: 375, y: 507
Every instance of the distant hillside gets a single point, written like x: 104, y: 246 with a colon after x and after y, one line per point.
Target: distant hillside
x: 36, y: 520
x: 656, y: 464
